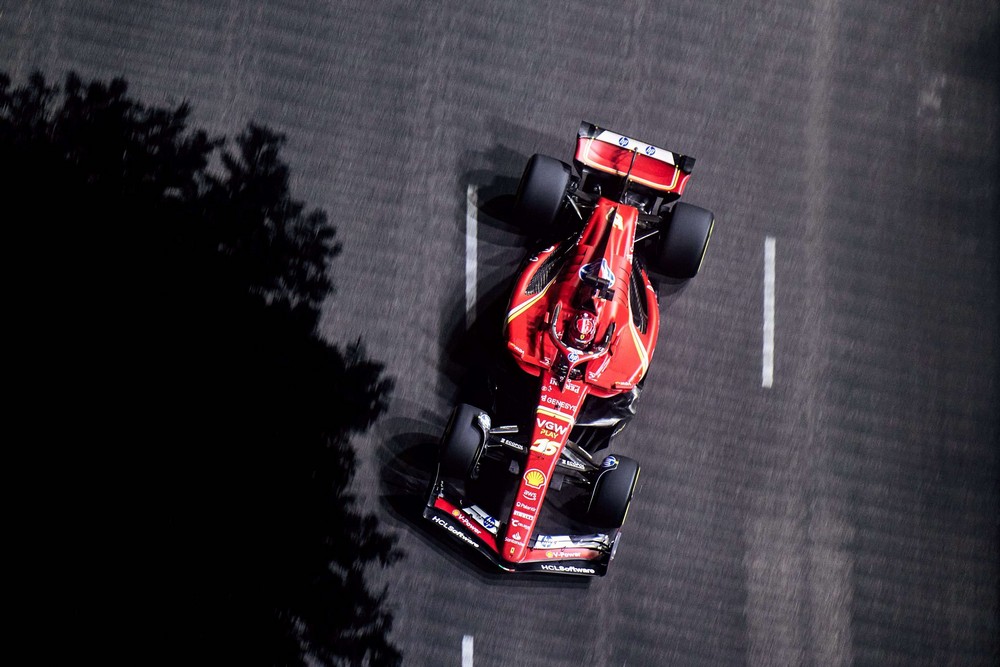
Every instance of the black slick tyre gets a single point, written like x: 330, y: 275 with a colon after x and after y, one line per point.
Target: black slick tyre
x: 541, y: 191
x: 612, y: 492
x: 683, y: 242
x: 462, y: 443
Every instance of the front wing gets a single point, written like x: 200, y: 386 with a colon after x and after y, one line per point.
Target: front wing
x: 580, y: 555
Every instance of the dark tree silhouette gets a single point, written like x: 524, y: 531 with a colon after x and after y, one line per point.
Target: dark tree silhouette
x: 187, y: 297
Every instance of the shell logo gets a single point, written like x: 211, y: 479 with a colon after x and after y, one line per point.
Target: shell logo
x: 455, y: 512
x: 534, y: 478
x: 549, y: 554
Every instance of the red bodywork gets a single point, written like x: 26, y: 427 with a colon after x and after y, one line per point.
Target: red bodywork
x: 536, y: 324
x: 589, y: 275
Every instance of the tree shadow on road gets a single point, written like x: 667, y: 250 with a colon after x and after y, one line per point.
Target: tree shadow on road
x: 170, y: 310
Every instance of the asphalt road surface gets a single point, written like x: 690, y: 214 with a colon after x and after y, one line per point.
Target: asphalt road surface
x: 846, y: 514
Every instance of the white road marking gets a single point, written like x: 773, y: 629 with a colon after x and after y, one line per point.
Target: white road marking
x: 467, y: 651
x: 470, y: 257
x: 767, y: 372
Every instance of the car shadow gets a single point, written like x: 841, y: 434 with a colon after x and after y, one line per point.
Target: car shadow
x: 407, y: 459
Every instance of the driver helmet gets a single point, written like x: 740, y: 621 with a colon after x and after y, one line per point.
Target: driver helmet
x: 583, y: 330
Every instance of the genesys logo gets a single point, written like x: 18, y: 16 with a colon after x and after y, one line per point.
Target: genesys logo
x: 570, y: 569
x: 454, y: 531
x: 559, y: 404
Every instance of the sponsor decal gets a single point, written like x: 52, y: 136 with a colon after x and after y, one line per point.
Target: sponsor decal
x: 650, y: 150
x: 601, y: 270
x: 485, y: 519
x: 465, y: 522
x: 562, y: 553
x: 573, y: 356
x: 529, y: 517
x: 561, y: 404
x: 569, y: 463
x: 545, y: 447
x: 570, y: 569
x: 517, y: 536
x: 623, y: 141
x: 528, y: 494
x: 454, y: 531
x: 609, y: 462
x: 517, y: 348
x: 593, y: 375
x: 525, y: 506
x: 519, y: 524
x: 551, y: 426
x: 534, y: 478
x: 618, y: 223
x: 512, y: 551
x: 513, y: 445
x: 570, y: 385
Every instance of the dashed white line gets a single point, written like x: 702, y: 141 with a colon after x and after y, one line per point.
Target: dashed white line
x: 767, y: 370
x: 467, y: 651
x: 470, y: 256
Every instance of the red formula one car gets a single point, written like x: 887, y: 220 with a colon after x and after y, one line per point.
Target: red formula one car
x: 581, y: 328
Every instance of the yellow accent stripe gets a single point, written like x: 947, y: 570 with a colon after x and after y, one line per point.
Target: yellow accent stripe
x: 519, y: 310
x: 556, y: 413
x: 643, y: 359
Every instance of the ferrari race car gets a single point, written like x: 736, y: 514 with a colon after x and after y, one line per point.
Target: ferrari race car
x: 581, y: 329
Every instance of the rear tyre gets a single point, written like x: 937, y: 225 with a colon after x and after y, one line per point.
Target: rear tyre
x: 462, y: 443
x: 540, y: 193
x: 612, y: 493
x: 682, y: 246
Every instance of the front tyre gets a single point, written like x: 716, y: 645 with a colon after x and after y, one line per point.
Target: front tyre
x: 463, y: 442
x: 540, y: 193
x: 612, y: 492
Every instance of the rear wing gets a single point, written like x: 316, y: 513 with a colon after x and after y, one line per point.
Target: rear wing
x: 616, y: 154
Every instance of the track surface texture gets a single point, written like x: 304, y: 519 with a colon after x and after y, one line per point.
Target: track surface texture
x: 845, y: 515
